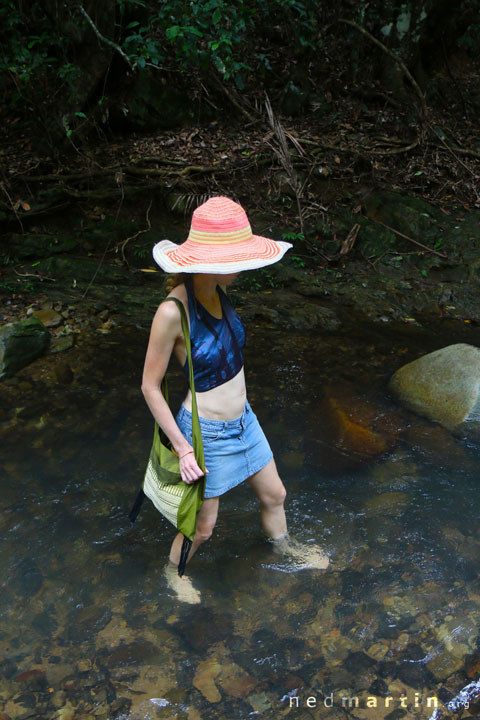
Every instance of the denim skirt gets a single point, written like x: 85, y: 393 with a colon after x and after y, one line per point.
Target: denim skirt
x: 234, y: 449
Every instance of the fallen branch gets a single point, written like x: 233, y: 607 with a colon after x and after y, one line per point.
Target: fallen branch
x: 406, y: 237
x: 73, y: 177
x: 104, y: 39
x: 154, y: 172
x: 471, y: 153
x: 128, y: 170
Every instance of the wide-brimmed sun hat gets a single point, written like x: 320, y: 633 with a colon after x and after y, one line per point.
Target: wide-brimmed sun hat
x: 220, y: 241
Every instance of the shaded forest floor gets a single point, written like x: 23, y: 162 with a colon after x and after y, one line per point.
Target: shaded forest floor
x: 317, y: 165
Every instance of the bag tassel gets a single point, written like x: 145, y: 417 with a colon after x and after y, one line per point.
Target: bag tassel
x: 186, y: 545
x: 136, y: 506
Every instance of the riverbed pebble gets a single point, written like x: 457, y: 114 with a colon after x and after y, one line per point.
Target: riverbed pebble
x: 49, y: 318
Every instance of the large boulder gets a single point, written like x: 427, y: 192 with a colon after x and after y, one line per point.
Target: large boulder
x: 443, y: 386
x: 20, y: 344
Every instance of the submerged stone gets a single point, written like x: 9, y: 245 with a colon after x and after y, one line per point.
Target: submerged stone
x: 63, y: 373
x: 204, y: 679
x: 358, y: 427
x: 391, y: 503
x: 134, y: 653
x: 32, y: 680
x: 443, y: 386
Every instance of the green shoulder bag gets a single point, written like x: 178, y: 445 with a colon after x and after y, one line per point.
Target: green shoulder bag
x: 178, y: 501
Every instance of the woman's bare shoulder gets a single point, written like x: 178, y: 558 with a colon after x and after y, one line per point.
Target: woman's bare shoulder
x: 168, y: 312
x: 179, y: 292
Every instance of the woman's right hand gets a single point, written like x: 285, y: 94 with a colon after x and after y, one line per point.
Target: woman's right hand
x: 190, y: 472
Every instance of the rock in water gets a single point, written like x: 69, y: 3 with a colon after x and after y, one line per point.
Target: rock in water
x: 20, y: 344
x: 443, y: 385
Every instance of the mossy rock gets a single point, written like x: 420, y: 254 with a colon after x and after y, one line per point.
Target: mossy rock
x: 38, y: 246
x: 82, y: 270
x: 20, y: 344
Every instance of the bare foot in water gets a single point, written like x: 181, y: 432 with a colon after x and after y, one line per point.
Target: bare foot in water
x: 301, y: 556
x: 181, y: 586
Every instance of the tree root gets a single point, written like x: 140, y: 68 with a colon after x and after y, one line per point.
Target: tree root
x: 123, y: 245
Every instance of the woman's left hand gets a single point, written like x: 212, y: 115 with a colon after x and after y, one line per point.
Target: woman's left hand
x: 190, y: 471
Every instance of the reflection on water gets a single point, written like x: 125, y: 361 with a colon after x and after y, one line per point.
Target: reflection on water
x: 89, y: 628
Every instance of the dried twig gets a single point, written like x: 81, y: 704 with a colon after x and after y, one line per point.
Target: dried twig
x: 458, y: 150
x: 38, y: 276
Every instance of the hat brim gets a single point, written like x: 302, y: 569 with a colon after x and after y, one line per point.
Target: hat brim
x: 191, y: 257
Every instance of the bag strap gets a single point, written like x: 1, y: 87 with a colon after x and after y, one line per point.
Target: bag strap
x: 196, y: 432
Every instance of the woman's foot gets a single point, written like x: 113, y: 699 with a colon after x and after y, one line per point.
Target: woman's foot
x: 181, y: 586
x: 300, y: 556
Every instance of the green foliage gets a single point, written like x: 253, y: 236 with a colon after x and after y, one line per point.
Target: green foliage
x: 245, y: 41
x: 471, y: 38
x: 292, y: 236
x: 258, y: 280
x: 40, y: 46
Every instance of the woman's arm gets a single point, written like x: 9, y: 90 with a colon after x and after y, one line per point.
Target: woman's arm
x: 166, y: 329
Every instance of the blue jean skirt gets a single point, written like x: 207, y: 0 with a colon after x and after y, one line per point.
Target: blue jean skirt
x: 234, y: 449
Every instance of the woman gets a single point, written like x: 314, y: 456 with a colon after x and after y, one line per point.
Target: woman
x: 219, y: 246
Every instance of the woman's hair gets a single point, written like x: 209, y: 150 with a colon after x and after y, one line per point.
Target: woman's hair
x: 174, y: 280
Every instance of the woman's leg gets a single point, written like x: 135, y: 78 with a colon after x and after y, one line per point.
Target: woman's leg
x: 183, y: 586
x: 271, y: 492
x: 206, y: 519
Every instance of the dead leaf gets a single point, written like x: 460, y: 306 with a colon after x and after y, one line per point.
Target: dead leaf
x: 25, y: 206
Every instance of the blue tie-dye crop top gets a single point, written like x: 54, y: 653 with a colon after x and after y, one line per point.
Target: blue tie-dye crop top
x: 216, y: 343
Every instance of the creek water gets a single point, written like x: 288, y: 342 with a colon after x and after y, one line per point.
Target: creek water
x: 88, y: 625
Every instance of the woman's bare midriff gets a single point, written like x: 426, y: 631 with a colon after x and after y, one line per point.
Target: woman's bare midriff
x: 224, y: 402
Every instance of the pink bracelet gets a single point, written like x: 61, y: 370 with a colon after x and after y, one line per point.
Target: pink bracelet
x: 187, y: 453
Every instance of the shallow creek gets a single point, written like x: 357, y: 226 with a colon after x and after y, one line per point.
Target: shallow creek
x: 89, y: 628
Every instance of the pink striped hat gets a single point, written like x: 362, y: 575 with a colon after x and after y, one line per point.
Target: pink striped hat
x: 220, y: 241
